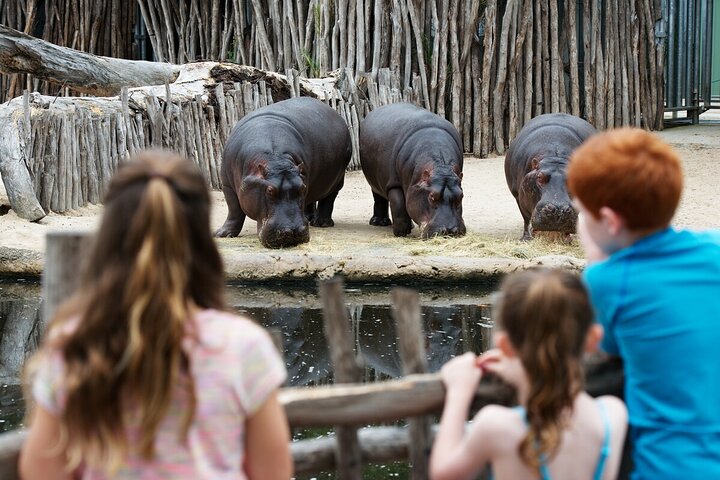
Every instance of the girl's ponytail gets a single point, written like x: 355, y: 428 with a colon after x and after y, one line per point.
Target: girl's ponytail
x: 546, y: 315
x: 156, y: 301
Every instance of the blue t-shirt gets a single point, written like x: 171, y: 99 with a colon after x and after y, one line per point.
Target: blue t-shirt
x: 659, y: 302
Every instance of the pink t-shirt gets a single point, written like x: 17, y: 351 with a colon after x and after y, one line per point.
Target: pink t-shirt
x: 235, y: 366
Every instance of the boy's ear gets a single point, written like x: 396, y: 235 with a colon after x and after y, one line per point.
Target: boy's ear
x: 612, y: 220
x: 502, y: 342
x: 593, y: 338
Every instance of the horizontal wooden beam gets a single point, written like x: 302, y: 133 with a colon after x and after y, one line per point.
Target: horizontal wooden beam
x: 377, y: 445
x: 360, y: 404
x: 414, y: 395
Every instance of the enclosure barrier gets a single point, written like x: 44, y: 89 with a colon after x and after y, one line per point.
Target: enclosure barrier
x: 346, y: 405
x: 486, y: 65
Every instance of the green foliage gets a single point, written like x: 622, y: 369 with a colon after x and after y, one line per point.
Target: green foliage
x: 312, y: 67
x: 232, y: 53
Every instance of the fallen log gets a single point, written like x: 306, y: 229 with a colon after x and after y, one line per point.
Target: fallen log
x: 83, y: 72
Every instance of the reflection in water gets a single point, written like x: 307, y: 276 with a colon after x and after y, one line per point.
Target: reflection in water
x: 455, y: 321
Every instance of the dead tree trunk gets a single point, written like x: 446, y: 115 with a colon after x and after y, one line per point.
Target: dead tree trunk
x: 86, y: 73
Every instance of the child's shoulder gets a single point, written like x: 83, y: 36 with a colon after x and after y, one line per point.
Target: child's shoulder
x: 506, y: 426
x: 615, y: 408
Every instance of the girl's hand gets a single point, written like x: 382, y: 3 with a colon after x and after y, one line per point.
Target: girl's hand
x: 507, y: 368
x: 462, y: 374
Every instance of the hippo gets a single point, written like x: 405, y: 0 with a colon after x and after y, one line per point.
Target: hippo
x: 413, y: 161
x: 278, y: 162
x: 535, y: 167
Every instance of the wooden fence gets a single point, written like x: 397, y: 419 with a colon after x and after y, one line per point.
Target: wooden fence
x: 72, y: 146
x: 486, y: 65
x: 346, y: 405
x: 100, y: 27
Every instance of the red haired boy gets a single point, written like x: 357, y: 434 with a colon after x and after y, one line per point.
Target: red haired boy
x: 656, y: 291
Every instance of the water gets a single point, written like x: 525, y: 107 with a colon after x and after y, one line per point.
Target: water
x: 456, y: 319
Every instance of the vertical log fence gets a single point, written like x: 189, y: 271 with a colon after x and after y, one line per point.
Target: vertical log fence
x: 486, y: 65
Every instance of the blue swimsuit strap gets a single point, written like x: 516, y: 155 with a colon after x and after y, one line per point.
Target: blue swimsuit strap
x: 605, y: 449
x: 544, y: 472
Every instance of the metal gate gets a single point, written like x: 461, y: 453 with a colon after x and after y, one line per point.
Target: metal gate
x: 687, y: 29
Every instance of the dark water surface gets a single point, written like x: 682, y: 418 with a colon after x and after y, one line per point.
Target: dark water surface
x: 456, y: 319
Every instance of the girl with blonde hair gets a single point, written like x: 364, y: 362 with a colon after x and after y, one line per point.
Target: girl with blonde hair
x: 142, y: 374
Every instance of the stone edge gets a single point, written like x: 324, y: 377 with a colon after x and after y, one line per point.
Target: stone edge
x: 292, y: 266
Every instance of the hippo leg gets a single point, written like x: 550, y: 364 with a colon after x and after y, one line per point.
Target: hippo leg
x: 380, y: 216
x: 527, y: 231
x: 323, y: 213
x: 310, y: 212
x: 235, y: 217
x: 402, y: 223
x: 527, y: 226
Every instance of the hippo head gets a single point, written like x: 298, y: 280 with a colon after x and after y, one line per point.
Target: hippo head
x: 547, y: 196
x: 274, y: 194
x: 434, y: 200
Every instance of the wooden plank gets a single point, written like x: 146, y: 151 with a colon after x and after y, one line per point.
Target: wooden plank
x: 339, y: 339
x: 377, y: 444
x: 487, y: 68
x: 410, y: 338
x: 64, y: 251
x: 10, y: 443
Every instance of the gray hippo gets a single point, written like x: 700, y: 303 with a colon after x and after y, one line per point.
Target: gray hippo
x: 278, y: 161
x: 413, y: 160
x: 535, y: 167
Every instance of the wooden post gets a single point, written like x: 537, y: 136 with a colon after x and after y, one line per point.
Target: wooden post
x: 10, y: 444
x: 408, y: 323
x: 347, y: 370
x: 64, y: 252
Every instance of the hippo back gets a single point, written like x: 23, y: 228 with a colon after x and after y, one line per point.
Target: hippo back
x: 303, y: 127
x: 392, y: 134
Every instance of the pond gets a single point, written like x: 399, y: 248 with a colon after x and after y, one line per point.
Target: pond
x: 456, y: 319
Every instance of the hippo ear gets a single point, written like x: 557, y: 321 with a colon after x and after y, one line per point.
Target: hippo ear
x: 301, y: 169
x: 261, y: 170
x: 457, y: 171
x: 425, y: 176
x: 534, y: 163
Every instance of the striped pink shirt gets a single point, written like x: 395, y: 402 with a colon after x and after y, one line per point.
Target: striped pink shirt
x: 235, y: 366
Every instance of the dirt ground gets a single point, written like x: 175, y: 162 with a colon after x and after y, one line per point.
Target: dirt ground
x: 492, y: 218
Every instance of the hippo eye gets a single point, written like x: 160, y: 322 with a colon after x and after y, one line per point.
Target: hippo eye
x: 434, y: 197
x: 542, y: 179
x: 270, y: 191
